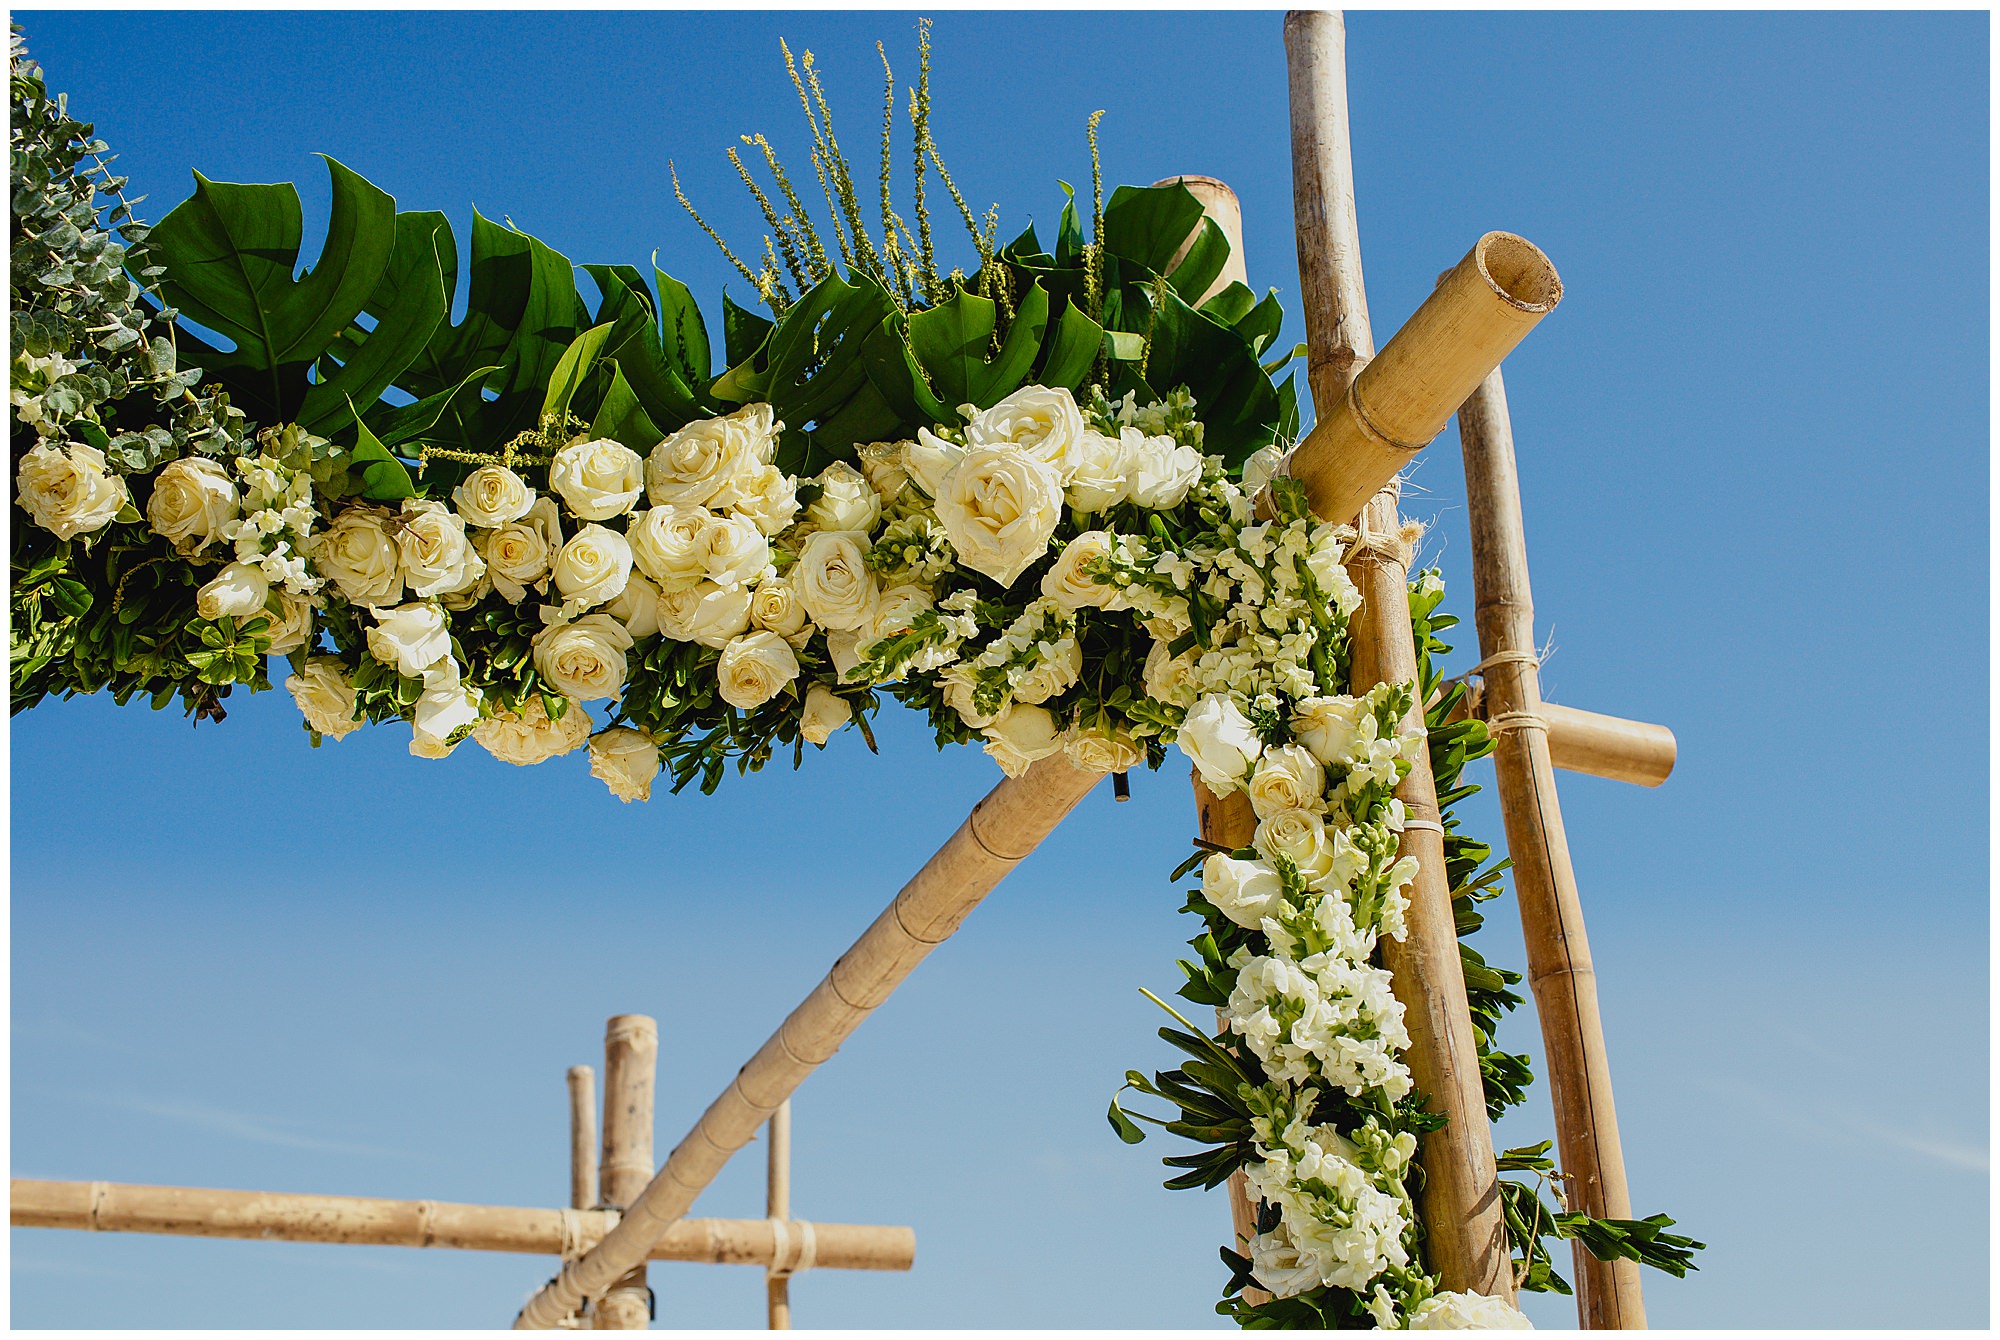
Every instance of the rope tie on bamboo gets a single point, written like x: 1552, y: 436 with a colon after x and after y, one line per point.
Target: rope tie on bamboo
x: 783, y: 1262
x: 1432, y: 824
x: 1527, y: 658
x: 1395, y: 547
x: 1502, y: 723
x: 571, y: 1245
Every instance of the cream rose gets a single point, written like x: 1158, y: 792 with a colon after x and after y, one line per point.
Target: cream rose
x: 291, y: 622
x: 1103, y: 474
x: 626, y: 761
x: 69, y: 490
x: 999, y: 507
x: 754, y: 669
x: 412, y: 638
x: 193, y: 497
x: 958, y: 691
x: 599, y: 479
x: 357, y: 553
x: 896, y: 611
x: 593, y: 567
x: 519, y: 553
x: 847, y: 501
x: 734, y: 551
x: 1244, y: 891
x: 584, y: 660
x: 637, y: 607
x: 1042, y: 421
x: 1300, y: 837
x: 775, y: 607
x: 1050, y: 676
x: 446, y: 704
x: 1020, y: 735
x: 1102, y: 751
x: 843, y: 649
x: 1168, y: 677
x: 882, y: 464
x: 239, y: 590
x: 1162, y: 470
x: 1465, y: 1312
x: 1073, y: 588
x: 767, y: 498
x: 492, y: 496
x: 713, y: 461
x: 708, y: 614
x: 435, y: 556
x: 929, y: 459
x: 530, y: 736
x: 825, y: 712
x: 833, y: 580
x: 1329, y: 727
x: 429, y: 746
x: 1288, y: 777
x: 325, y: 697
x: 1222, y: 743
x: 670, y: 545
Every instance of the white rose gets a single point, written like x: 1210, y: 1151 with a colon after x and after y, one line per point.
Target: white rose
x: 531, y: 737
x: 1300, y: 837
x: 1042, y: 421
x: 847, y: 501
x: 843, y: 649
x: 412, y: 638
x: 1102, y: 751
x: 1244, y: 891
x: 1168, y: 677
x: 708, y: 614
x: 291, y: 622
x: 599, y: 479
x: 1103, y: 473
x: 446, y: 704
x: 1162, y: 470
x: 734, y: 551
x: 766, y: 497
x: 896, y: 610
x: 436, y: 557
x: 357, y: 553
x: 637, y: 607
x: 958, y: 691
x: 825, y: 712
x: 1069, y: 585
x: 584, y: 660
x: 1329, y: 727
x: 1050, y: 676
x: 713, y: 461
x: 239, y: 589
x: 775, y: 607
x: 1288, y: 777
x: 626, y: 761
x: 1262, y: 464
x: 518, y: 554
x: 325, y: 697
x: 929, y: 459
x: 1222, y: 743
x: 1465, y: 1312
x: 429, y: 746
x: 670, y: 545
x: 69, y: 490
x: 192, y: 498
x: 999, y: 507
x: 1020, y: 735
x: 593, y: 567
x: 492, y: 496
x: 833, y: 580
x: 754, y: 669
x: 882, y: 464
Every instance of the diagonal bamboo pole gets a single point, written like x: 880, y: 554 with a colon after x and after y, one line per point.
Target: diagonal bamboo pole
x: 631, y: 1052
x: 1001, y: 830
x: 1466, y: 1242
x: 1559, y: 967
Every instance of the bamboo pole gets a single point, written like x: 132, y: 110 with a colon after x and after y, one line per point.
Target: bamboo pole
x: 1001, y: 830
x: 1559, y: 967
x: 582, y: 1137
x: 778, y: 1205
x: 1466, y: 1242
x: 631, y: 1053
x: 1219, y: 204
x: 204, y: 1212
x: 1638, y: 752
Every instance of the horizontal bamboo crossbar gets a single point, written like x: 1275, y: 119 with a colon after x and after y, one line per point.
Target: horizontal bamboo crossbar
x: 1595, y: 744
x: 206, y: 1212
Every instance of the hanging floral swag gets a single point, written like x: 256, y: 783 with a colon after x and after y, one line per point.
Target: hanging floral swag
x: 547, y: 530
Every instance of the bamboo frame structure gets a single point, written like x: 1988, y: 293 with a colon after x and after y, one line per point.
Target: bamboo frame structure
x: 206, y: 1212
x: 631, y: 1054
x: 1592, y: 743
x: 1375, y: 414
x: 1560, y: 971
x: 778, y: 1205
x: 999, y: 833
x: 582, y: 1137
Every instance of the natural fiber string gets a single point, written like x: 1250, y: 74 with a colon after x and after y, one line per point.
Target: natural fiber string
x: 781, y: 1247
x: 1432, y: 824
x: 1506, y: 658
x: 1504, y: 722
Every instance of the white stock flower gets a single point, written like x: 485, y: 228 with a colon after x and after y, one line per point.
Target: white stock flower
x: 832, y: 578
x: 670, y: 545
x: 518, y: 554
x: 637, y: 607
x: 847, y: 501
x: 929, y: 459
x: 69, y: 490
x: 958, y: 689
x: 585, y: 660
x: 767, y: 497
x: 1288, y: 777
x: 239, y: 589
x: 825, y: 712
x: 1222, y: 743
x: 1465, y: 1312
x: 1020, y: 735
x: 1042, y: 421
x: 593, y: 567
x: 734, y: 551
x: 530, y: 736
x: 1073, y: 588
x: 1329, y: 727
x: 291, y: 622
x: 999, y: 507
x: 599, y: 479
x: 710, y: 462
x: 755, y: 668
x: 325, y: 696
x: 1244, y: 891
x: 412, y: 638
x: 626, y: 761
x: 1051, y: 675
x: 357, y: 553
x: 775, y: 607
x: 193, y: 498
x: 1162, y: 471
x: 492, y: 496
x: 435, y: 556
x: 1103, y: 476
x: 708, y: 614
x: 1102, y: 750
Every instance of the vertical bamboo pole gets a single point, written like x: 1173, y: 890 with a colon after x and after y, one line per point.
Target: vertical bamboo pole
x: 582, y: 1137
x: 631, y: 1052
x: 1461, y: 1206
x: 778, y: 1205
x: 1559, y: 967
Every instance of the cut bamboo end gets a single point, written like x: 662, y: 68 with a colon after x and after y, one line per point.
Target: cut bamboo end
x: 1220, y: 205
x: 1592, y: 743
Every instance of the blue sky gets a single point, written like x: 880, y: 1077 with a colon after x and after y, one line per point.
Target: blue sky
x: 1753, y: 445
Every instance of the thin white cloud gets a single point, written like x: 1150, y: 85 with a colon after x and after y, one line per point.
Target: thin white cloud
x: 238, y: 1125
x: 1851, y: 1128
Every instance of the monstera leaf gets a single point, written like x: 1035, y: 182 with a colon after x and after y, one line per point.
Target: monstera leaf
x: 954, y: 343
